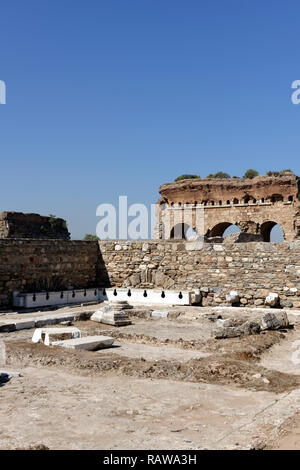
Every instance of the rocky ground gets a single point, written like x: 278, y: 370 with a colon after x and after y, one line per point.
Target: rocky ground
x: 167, y: 383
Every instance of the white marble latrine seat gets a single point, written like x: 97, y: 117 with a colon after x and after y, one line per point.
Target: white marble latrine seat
x: 49, y: 335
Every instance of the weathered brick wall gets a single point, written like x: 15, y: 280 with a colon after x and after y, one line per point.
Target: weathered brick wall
x: 253, y: 269
x: 35, y: 265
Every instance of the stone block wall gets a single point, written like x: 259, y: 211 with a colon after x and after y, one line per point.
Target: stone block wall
x: 252, y: 269
x: 35, y: 265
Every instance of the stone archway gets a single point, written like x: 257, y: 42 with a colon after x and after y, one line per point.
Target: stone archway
x: 219, y: 229
x: 266, y: 229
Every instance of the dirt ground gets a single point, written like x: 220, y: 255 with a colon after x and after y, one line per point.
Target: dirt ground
x: 166, y: 384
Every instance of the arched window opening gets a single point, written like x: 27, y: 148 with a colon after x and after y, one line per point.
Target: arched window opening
x: 223, y: 230
x: 182, y: 231
x: 228, y: 203
x: 236, y: 201
x: 220, y: 203
x: 231, y: 230
x: 272, y: 232
x: 246, y: 199
x: 276, y: 234
x: 291, y: 198
x: 276, y: 198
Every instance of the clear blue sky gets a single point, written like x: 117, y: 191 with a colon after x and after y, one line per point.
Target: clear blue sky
x: 115, y: 97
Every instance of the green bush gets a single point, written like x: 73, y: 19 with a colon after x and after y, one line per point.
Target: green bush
x: 219, y: 174
x: 249, y: 174
x: 186, y: 177
x: 90, y: 238
x: 279, y: 173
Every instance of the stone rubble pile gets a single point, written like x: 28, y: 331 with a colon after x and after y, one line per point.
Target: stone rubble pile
x: 231, y: 328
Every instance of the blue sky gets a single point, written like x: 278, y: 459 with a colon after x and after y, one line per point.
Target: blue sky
x: 116, y: 97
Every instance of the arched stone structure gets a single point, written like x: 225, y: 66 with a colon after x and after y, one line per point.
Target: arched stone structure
x: 266, y: 229
x: 251, y: 204
x: 219, y: 229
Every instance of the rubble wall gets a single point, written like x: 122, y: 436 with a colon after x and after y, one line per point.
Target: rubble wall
x: 252, y: 269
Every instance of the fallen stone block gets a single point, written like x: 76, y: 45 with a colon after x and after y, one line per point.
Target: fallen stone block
x: 112, y: 315
x: 227, y: 332
x: 250, y: 328
x: 274, y: 321
x: 24, y: 324
x: 48, y: 335
x: 245, y: 329
x: 233, y: 297
x: 89, y: 343
x: 272, y: 299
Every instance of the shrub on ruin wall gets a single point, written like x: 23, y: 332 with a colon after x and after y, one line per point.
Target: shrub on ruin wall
x: 187, y: 177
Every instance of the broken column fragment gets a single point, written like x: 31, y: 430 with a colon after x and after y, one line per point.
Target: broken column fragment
x: 274, y: 321
x: 113, y: 314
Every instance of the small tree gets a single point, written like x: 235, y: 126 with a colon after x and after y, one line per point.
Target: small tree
x: 249, y: 174
x: 186, y: 177
x: 219, y: 174
x: 52, y: 220
x: 91, y: 238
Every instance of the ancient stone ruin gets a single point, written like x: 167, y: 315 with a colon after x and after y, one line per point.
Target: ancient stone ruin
x: 242, y: 270
x: 19, y: 225
x: 168, y: 337
x: 254, y: 205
